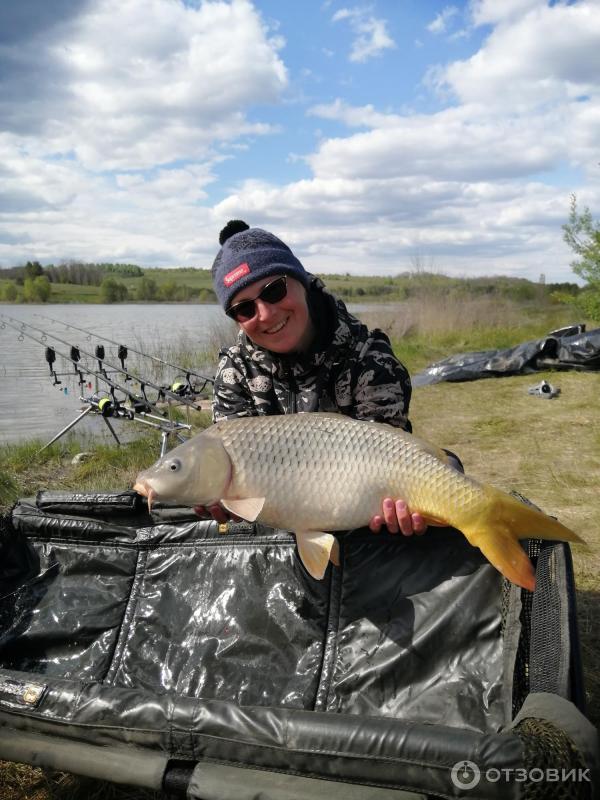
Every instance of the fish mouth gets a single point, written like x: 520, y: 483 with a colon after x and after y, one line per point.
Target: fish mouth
x: 145, y: 491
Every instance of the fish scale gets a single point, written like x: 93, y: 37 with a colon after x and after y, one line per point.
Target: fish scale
x: 315, y: 473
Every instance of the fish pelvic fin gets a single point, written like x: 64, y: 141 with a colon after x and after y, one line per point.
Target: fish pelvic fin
x: 316, y: 549
x: 497, y: 528
x: 247, y: 508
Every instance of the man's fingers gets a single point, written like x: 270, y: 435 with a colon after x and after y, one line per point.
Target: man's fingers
x: 419, y: 524
x: 389, y: 515
x: 376, y: 524
x: 405, y: 522
x: 217, y: 512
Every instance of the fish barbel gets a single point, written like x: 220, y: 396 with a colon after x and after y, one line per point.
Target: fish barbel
x: 315, y: 473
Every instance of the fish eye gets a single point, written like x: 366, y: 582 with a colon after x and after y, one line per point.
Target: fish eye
x: 175, y: 465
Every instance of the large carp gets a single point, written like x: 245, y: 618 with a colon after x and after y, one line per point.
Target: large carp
x: 315, y: 473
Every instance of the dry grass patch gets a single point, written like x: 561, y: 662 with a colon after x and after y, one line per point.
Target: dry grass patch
x: 438, y: 314
x: 489, y: 321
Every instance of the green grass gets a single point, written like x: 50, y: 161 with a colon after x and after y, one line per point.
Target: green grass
x: 24, y: 468
x: 70, y: 293
x: 418, y: 351
x: 75, y: 293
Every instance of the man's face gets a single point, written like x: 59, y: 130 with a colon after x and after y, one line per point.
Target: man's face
x: 283, y: 327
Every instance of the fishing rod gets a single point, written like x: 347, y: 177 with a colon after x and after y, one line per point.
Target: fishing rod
x: 141, y: 404
x: 125, y: 348
x: 163, y: 392
x: 105, y: 406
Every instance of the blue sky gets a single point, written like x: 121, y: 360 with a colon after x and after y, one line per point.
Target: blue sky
x: 371, y: 136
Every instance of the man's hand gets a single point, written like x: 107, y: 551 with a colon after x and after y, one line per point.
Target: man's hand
x: 397, y: 518
x: 217, y: 512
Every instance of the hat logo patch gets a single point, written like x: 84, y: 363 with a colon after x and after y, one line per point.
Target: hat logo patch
x: 236, y: 274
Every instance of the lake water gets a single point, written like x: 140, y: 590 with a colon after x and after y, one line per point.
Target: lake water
x: 32, y: 407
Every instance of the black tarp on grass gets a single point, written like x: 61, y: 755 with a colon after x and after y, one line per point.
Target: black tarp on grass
x: 567, y: 348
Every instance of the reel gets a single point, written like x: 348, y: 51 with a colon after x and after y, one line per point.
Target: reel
x: 105, y: 404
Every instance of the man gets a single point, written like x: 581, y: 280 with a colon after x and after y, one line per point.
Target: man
x: 299, y: 349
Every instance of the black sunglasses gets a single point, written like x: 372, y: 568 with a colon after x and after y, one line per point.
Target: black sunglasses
x: 272, y: 292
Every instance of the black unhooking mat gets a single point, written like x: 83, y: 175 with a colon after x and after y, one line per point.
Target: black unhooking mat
x: 566, y: 348
x: 203, y: 660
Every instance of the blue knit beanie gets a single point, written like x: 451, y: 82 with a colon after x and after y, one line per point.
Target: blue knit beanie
x: 247, y: 255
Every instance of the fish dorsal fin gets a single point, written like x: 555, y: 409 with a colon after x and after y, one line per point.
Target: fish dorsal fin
x: 316, y: 548
x: 247, y: 507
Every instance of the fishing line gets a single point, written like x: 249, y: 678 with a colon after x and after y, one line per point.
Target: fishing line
x: 123, y: 350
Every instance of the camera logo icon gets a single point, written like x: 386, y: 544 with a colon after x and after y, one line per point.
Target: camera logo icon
x: 465, y: 775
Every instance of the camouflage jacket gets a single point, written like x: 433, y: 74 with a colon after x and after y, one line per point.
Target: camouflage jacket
x: 349, y: 369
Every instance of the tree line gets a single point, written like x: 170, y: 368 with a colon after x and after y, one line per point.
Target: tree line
x: 31, y: 283
x: 78, y: 273
x: 147, y: 290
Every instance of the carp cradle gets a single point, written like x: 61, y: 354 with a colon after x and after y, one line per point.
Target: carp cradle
x: 158, y: 652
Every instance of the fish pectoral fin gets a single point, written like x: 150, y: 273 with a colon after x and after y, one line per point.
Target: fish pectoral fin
x: 316, y: 549
x: 247, y: 507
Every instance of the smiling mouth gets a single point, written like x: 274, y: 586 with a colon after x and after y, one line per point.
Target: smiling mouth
x: 277, y: 328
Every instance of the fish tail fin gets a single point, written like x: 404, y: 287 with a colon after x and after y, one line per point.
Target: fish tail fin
x: 504, y: 520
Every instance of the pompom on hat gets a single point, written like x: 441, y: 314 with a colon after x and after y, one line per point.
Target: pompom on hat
x: 247, y: 255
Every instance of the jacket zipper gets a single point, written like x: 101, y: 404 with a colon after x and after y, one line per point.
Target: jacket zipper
x: 292, y: 400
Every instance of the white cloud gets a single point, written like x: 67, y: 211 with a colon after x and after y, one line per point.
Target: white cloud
x: 354, y: 224
x: 371, y: 35
x: 148, y: 81
x: 440, y: 23
x: 548, y: 54
x: 353, y: 116
x: 490, y: 12
x: 57, y: 209
x: 130, y: 105
x: 461, y: 143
